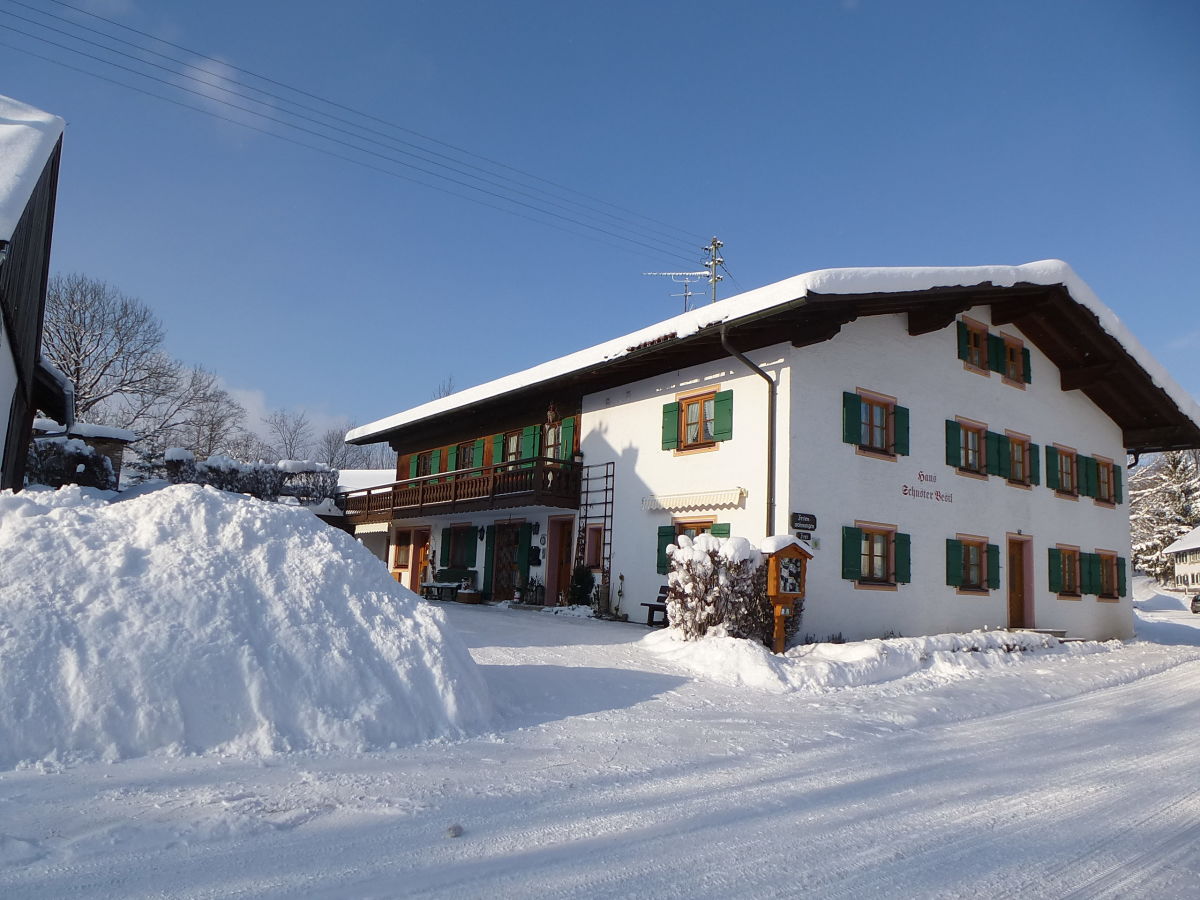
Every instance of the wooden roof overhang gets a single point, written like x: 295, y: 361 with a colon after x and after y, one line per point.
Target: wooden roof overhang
x: 1087, y: 357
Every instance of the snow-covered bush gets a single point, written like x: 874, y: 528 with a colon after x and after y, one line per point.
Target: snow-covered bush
x: 307, y: 481
x: 59, y: 460
x: 718, y: 582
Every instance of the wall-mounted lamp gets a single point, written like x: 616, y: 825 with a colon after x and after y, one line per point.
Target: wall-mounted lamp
x: 537, y: 527
x: 482, y: 532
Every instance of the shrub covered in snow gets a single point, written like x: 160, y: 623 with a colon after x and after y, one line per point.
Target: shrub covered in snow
x: 193, y: 620
x: 718, y: 582
x: 58, y: 460
x: 310, y: 482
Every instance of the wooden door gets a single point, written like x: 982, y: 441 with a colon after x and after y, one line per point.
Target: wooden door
x: 418, y: 571
x: 504, y: 566
x: 558, y: 555
x: 1017, y: 586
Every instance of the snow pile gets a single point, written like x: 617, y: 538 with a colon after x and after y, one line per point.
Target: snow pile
x: 195, y: 620
x: 1148, y: 595
x: 579, y: 611
x: 822, y: 667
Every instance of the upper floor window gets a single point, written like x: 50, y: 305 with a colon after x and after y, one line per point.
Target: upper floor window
x: 552, y: 440
x: 698, y: 421
x: 976, y: 344
x: 465, y: 457
x: 424, y: 463
x: 1064, y: 570
x: 973, y: 449
x: 1108, y: 574
x: 984, y: 352
x: 1061, y: 470
x: 875, y: 423
x: 512, y: 445
x: 1104, y: 482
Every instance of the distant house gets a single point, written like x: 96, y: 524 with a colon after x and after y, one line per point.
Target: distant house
x: 952, y: 441
x: 30, y: 145
x: 1185, y: 554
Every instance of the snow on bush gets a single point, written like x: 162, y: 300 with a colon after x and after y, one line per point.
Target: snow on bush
x: 822, y: 667
x: 718, y: 582
x: 59, y: 460
x: 193, y: 620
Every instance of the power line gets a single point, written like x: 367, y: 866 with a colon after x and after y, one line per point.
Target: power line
x: 325, y: 151
x: 392, y: 143
x: 336, y: 140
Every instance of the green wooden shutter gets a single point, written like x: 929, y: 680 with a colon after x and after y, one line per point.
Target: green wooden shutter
x: 1055, y: 570
x: 435, y: 462
x: 524, y: 538
x: 1052, y: 468
x: 963, y: 340
x: 954, y: 562
x: 1116, y: 482
x: 1083, y: 475
x: 478, y: 455
x: 1094, y: 563
x: 995, y: 352
x: 992, y: 457
x: 1004, y: 461
x: 900, y: 430
x: 851, y: 552
x: 444, y: 551
x: 723, y: 416
x: 719, y: 530
x: 1122, y: 587
x: 412, y: 466
x: 993, y: 566
x: 1026, y: 366
x: 452, y: 458
x: 1085, y: 573
x: 851, y: 418
x: 953, y: 443
x: 529, y: 441
x: 567, y: 447
x: 472, y: 539
x: 670, y: 426
x: 903, y: 551
x: 489, y: 556
x: 666, y: 536
x: 1035, y: 464
x: 497, y: 449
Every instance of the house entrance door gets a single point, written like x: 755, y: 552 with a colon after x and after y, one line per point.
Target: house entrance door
x: 504, y: 567
x: 1018, y: 613
x: 558, y: 573
x: 419, y: 570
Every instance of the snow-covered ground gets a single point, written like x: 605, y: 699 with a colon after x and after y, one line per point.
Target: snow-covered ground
x: 623, y: 770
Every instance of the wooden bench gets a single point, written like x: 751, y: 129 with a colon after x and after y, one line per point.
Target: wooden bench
x: 658, y: 606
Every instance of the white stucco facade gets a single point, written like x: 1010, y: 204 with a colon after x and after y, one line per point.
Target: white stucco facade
x: 818, y: 473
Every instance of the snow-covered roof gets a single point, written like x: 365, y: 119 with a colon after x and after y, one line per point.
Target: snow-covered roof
x: 85, y: 430
x: 1190, y: 541
x: 27, y: 138
x: 793, y: 292
x: 360, y: 479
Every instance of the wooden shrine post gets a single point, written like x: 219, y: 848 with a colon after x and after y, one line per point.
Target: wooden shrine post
x: 787, y: 568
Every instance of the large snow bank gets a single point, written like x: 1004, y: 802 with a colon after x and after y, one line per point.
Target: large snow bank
x: 822, y: 667
x: 195, y: 620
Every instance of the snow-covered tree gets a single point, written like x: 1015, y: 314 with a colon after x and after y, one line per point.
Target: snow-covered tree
x: 1164, y: 504
x: 718, y: 582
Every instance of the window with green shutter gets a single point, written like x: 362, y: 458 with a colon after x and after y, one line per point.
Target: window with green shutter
x: 1054, y: 570
x: 1052, y: 468
x: 697, y: 422
x: 723, y: 416
x: 993, y: 567
x: 851, y: 552
x: 972, y: 564
x: 1116, y: 483
x: 1035, y: 464
x: 876, y: 555
x: 953, y: 443
x: 568, y: 438
x: 996, y: 354
x: 875, y: 423
x: 670, y: 426
x: 1122, y: 583
x: 954, y: 562
x: 903, y: 555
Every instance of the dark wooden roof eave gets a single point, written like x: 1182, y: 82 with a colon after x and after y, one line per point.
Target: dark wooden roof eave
x: 1070, y: 334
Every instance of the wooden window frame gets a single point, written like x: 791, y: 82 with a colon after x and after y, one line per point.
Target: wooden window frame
x: 401, y: 540
x: 552, y: 449
x: 459, y: 537
x: 461, y: 451
x: 869, y: 400
x: 593, y: 546
x: 698, y: 402
x: 1023, y: 443
x: 700, y: 525
x: 977, y: 346
x: 424, y: 463
x: 872, y: 530
x: 512, y: 453
x: 972, y: 542
x: 1014, y: 356
x: 980, y: 431
x: 1105, y: 482
x: 1069, y: 561
x: 1068, y: 466
x: 1108, y: 573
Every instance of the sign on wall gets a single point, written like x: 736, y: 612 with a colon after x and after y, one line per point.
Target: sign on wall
x: 804, y: 522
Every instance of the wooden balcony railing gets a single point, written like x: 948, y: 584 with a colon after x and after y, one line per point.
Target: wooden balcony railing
x: 537, y: 481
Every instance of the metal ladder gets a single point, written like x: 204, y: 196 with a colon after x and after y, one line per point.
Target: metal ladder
x: 596, y: 508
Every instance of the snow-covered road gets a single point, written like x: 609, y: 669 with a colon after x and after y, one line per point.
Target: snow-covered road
x: 615, y: 773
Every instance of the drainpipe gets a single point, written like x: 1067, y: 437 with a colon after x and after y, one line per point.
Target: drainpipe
x: 732, y: 351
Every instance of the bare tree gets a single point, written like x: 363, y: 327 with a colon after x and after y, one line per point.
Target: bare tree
x: 290, y: 433
x: 108, y: 344
x: 331, y: 448
x: 445, y: 388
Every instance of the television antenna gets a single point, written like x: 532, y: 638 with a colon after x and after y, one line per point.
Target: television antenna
x: 687, y: 279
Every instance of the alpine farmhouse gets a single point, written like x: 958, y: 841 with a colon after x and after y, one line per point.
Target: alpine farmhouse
x: 951, y: 442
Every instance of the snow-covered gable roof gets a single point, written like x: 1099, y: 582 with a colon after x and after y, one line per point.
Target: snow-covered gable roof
x: 1190, y: 541
x: 795, y: 292
x: 27, y: 138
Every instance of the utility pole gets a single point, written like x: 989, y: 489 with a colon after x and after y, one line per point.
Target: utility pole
x: 711, y: 264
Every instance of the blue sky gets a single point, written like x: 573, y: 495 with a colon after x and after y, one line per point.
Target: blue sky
x: 806, y: 135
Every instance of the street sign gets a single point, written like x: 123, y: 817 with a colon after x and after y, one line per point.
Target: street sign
x: 804, y: 522
x: 804, y: 535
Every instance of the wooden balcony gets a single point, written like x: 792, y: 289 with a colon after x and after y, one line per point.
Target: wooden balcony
x: 538, y: 481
